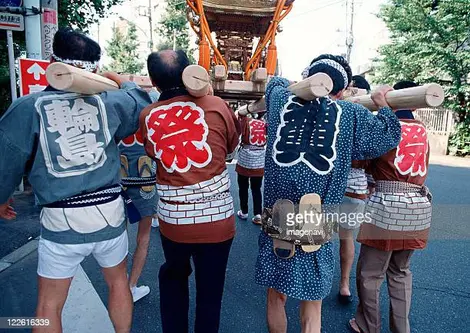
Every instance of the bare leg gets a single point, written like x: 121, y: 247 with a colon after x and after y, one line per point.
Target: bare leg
x: 346, y: 253
x: 120, y: 303
x: 310, y: 316
x: 52, y: 294
x: 276, y: 312
x: 140, y: 255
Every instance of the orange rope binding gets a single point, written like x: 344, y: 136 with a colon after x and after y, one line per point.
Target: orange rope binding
x: 281, y: 12
x: 205, y: 32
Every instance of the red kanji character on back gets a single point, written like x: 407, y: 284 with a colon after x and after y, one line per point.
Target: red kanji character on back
x: 133, y: 139
x: 178, y: 133
x: 257, y: 132
x: 413, y: 150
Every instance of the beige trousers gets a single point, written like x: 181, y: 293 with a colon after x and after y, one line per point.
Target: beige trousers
x: 372, y: 267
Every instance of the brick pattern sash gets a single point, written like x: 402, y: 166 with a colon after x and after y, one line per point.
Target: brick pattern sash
x: 205, y: 202
x: 357, y: 182
x: 398, y: 206
x: 251, y: 157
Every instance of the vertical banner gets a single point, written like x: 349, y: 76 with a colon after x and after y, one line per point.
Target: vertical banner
x: 49, y: 26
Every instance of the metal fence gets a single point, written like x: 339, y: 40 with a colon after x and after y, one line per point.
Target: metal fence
x: 438, y: 121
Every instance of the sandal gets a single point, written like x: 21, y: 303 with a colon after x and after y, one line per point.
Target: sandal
x: 308, y: 202
x: 145, y: 171
x: 257, y: 220
x: 352, y: 325
x: 124, y: 168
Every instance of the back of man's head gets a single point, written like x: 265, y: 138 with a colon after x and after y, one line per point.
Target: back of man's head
x: 71, y: 44
x: 405, y: 84
x: 166, y: 68
x: 336, y: 67
x: 360, y: 82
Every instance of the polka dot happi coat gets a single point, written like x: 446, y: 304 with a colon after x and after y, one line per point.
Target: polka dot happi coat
x: 310, y: 151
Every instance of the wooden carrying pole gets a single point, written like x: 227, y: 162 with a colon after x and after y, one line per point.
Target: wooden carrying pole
x: 196, y: 80
x: 68, y: 78
x: 428, y: 95
x: 318, y: 85
x: 142, y: 81
x: 255, y: 107
x: 354, y: 92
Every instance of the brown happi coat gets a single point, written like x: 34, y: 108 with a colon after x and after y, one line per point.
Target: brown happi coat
x: 189, y: 138
x: 400, y: 221
x: 252, y: 151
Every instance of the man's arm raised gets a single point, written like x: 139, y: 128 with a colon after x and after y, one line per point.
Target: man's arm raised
x: 375, y: 135
x: 128, y: 102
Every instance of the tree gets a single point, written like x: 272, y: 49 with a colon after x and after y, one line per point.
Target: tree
x: 430, y: 42
x: 123, y: 50
x: 81, y: 14
x: 174, y: 26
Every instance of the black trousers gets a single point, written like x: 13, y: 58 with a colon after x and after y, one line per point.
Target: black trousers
x: 244, y: 183
x: 210, y: 264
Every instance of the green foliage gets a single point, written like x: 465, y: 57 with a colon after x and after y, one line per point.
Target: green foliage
x: 81, y: 14
x: 5, y: 93
x: 123, y: 50
x: 174, y: 25
x: 460, y: 140
x: 430, y: 43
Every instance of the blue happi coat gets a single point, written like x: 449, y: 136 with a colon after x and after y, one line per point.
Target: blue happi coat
x: 307, y: 157
x: 310, y: 150
x: 67, y: 144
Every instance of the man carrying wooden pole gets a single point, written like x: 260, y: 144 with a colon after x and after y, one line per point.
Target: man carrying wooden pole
x: 400, y: 220
x: 189, y: 138
x: 67, y: 145
x: 310, y: 148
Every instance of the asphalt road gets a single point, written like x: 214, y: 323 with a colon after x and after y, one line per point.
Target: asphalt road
x: 441, y: 293
x: 16, y: 233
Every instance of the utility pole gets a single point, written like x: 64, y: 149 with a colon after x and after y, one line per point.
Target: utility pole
x: 350, y: 37
x: 11, y: 62
x: 147, y: 11
x: 33, y: 29
x: 151, y: 24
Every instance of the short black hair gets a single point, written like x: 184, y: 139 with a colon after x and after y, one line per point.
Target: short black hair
x: 405, y: 84
x: 405, y: 114
x: 360, y: 82
x: 166, y: 68
x: 338, y: 83
x: 72, y: 44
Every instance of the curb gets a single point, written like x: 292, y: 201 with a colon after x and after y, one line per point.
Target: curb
x: 19, y: 254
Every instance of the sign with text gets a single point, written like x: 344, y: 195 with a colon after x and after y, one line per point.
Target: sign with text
x: 32, y: 76
x: 14, y: 22
x: 49, y: 26
x: 11, y: 3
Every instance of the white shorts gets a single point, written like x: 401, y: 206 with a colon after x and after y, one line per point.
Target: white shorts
x: 61, y: 261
